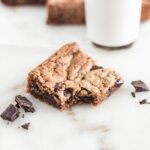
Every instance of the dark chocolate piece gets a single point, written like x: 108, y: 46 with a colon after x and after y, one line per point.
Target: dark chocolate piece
x: 139, y: 86
x: 96, y: 67
x: 144, y: 101
x: 133, y: 94
x: 11, y: 113
x: 69, y: 95
x: 58, y: 86
x: 85, y: 96
x: 119, y: 83
x: 26, y: 126
x: 24, y: 103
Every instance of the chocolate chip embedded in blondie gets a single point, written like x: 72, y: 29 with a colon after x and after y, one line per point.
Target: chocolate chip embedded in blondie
x: 65, y: 11
x: 70, y: 77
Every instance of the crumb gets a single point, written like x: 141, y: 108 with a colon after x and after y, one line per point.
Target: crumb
x: 133, y: 94
x: 144, y: 101
x: 22, y: 115
x: 26, y: 126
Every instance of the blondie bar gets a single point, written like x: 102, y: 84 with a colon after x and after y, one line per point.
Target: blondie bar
x: 70, y: 77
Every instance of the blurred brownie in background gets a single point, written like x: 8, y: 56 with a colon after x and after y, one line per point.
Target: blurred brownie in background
x: 23, y: 2
x: 145, y: 10
x: 65, y: 11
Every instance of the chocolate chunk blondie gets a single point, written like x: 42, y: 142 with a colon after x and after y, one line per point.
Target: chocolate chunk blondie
x: 70, y: 77
x: 65, y: 11
x: 23, y: 2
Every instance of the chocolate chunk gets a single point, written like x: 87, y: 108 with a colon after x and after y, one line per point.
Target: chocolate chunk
x: 118, y: 83
x: 58, y: 86
x: 139, y: 86
x: 24, y: 103
x: 68, y: 93
x: 17, y: 106
x: 87, y: 99
x: 11, y: 113
x: 144, y: 101
x: 26, y: 126
x: 85, y: 96
x: 52, y: 99
x: 96, y: 67
x: 133, y: 94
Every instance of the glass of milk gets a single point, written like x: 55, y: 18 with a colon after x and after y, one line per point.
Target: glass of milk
x: 113, y: 23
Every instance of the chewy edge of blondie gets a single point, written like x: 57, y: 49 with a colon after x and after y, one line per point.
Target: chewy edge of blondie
x: 65, y: 11
x: 70, y: 77
x: 23, y: 2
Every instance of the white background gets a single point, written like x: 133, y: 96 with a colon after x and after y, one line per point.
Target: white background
x: 120, y: 123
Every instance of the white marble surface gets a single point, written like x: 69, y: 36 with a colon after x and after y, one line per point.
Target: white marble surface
x: 120, y: 123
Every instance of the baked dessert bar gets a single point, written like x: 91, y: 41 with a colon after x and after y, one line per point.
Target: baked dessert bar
x: 70, y: 77
x: 145, y: 10
x: 23, y: 2
x: 65, y: 11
